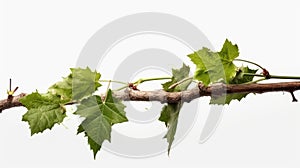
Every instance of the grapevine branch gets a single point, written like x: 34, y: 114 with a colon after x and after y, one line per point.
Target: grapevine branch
x: 233, y: 83
x: 184, y: 96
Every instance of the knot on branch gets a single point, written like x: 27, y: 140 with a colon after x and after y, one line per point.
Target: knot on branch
x: 202, y: 89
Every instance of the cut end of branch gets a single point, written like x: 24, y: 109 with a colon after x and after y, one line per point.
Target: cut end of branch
x: 11, y: 101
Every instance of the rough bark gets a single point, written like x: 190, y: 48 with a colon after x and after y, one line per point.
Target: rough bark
x: 184, y: 96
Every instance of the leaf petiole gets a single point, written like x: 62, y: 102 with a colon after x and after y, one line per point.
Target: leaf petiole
x: 114, y: 81
x: 273, y: 76
x: 107, y: 90
x: 150, y: 79
x: 258, y: 80
x: 180, y: 82
x: 142, y: 80
x: 250, y: 62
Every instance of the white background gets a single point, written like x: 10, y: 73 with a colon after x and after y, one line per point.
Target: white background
x: 40, y: 40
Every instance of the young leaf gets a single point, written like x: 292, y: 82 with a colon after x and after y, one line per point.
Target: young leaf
x: 240, y: 78
x: 85, y: 82
x: 170, y: 112
x: 63, y: 88
x: 43, y: 111
x: 215, y: 66
x: 229, y: 51
x: 99, y: 117
x: 178, y: 75
x: 79, y: 84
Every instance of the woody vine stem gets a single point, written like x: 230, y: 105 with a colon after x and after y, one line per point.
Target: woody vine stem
x: 133, y: 94
x: 215, y: 76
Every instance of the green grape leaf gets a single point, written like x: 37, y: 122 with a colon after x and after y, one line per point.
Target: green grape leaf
x: 79, y: 84
x: 169, y: 115
x: 99, y: 117
x: 229, y: 52
x: 221, y: 100
x: 44, y: 111
x: 178, y: 75
x: 63, y: 88
x: 211, y: 67
x: 85, y: 82
x: 240, y: 78
x: 170, y: 112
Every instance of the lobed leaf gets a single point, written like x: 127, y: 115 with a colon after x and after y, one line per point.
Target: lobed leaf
x: 79, y: 84
x: 44, y: 111
x: 212, y: 67
x: 99, y: 117
x: 170, y: 112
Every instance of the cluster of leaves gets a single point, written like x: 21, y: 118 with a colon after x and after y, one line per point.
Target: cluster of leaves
x: 46, y: 110
x: 215, y: 67
x: 101, y: 113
